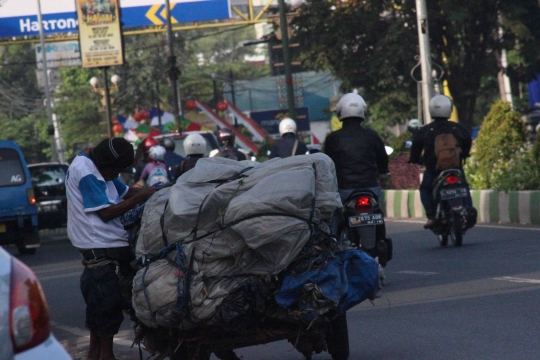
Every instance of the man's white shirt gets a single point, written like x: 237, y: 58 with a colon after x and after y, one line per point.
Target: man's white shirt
x: 87, y: 192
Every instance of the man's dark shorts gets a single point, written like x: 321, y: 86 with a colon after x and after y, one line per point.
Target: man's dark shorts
x: 100, y: 288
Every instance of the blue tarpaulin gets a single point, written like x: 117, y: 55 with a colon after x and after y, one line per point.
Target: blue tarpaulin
x: 347, y: 279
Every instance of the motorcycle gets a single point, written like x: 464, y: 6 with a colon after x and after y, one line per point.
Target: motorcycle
x: 362, y: 225
x: 452, y: 217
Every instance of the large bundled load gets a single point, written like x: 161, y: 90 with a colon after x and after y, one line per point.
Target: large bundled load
x: 214, y: 246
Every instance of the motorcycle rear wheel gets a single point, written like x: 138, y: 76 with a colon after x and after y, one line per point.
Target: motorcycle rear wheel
x: 443, y: 240
x: 457, y: 230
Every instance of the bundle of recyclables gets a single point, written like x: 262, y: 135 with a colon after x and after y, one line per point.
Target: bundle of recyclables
x: 232, y: 241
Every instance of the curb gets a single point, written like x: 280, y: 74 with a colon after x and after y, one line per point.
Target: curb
x: 495, y: 207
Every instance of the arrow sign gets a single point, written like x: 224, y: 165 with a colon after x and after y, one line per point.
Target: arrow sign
x: 164, y: 13
x: 151, y: 15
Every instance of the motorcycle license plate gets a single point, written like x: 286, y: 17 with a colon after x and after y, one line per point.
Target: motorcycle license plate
x: 447, y: 194
x: 366, y: 219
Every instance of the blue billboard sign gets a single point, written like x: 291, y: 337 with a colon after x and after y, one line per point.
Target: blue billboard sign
x: 17, y: 19
x: 269, y: 120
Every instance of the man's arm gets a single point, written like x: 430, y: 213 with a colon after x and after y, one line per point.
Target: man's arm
x: 133, y: 197
x: 382, y: 156
x: 417, y: 147
x: 466, y: 142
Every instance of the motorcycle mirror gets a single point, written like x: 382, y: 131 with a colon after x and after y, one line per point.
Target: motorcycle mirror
x: 389, y: 150
x: 407, y: 144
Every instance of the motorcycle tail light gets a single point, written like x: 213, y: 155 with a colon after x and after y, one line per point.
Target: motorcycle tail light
x: 452, y: 179
x: 29, y: 314
x: 363, y: 203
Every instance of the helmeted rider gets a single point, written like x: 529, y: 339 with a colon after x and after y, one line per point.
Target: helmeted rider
x: 226, y: 139
x: 423, y: 150
x: 194, y: 148
x: 171, y: 158
x: 142, y: 156
x: 289, y: 144
x: 358, y: 152
x: 155, y: 170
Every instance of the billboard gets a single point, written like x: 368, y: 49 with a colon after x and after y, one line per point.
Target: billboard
x: 269, y: 121
x: 59, y: 54
x: 19, y: 17
x: 100, y: 33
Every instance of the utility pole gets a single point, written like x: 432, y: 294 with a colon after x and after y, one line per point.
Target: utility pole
x: 173, y: 69
x: 425, y: 57
x: 50, y: 130
x: 283, y: 24
x: 233, y: 95
x: 107, y: 101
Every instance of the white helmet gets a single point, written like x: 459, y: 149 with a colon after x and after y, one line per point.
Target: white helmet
x: 194, y: 144
x: 440, y: 106
x: 287, y: 125
x: 157, y: 153
x: 351, y: 105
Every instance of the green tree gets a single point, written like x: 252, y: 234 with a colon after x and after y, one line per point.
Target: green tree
x: 372, y: 44
x: 499, y: 147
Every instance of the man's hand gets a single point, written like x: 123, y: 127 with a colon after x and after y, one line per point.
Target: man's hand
x: 133, y: 197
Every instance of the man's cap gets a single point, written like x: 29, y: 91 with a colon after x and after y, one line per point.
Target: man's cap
x: 113, y: 152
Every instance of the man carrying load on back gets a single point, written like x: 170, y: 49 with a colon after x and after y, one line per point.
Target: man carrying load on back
x: 439, y: 145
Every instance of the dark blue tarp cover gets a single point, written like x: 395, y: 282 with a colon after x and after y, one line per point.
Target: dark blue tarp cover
x: 348, y: 279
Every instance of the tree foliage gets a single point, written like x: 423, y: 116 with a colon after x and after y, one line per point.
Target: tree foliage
x: 372, y: 44
x: 499, y: 146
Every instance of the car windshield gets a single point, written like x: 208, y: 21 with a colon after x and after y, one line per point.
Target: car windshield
x: 48, y: 175
x: 11, y: 172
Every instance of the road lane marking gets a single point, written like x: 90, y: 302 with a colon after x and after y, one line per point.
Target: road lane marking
x: 412, y: 272
x: 491, y: 226
x: 518, y: 280
x: 453, y: 291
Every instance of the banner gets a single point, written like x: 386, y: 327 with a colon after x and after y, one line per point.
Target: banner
x: 19, y: 17
x: 59, y: 54
x: 100, y: 33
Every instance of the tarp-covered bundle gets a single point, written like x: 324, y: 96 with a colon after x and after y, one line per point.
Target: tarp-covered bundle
x: 226, y: 226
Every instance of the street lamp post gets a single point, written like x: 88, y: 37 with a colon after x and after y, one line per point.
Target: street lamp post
x: 425, y: 57
x: 214, y: 84
x: 286, y: 58
x: 106, y: 97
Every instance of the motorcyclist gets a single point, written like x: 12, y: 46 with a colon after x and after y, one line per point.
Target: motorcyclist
x: 289, y: 144
x: 155, y: 171
x: 171, y: 158
x: 358, y: 152
x: 423, y: 150
x: 194, y: 147
x: 226, y: 139
x: 142, y: 156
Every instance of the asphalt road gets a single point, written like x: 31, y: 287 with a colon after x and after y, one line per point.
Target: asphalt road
x: 479, y: 301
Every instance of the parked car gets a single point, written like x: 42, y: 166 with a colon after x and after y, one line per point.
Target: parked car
x: 50, y: 189
x: 25, y: 329
x: 18, y: 212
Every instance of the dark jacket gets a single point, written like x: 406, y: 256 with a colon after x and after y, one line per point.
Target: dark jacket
x: 283, y: 147
x: 423, y: 146
x: 359, y: 155
x: 231, y: 153
x: 186, y: 165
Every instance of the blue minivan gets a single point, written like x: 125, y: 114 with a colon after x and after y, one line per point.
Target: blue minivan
x: 18, y: 213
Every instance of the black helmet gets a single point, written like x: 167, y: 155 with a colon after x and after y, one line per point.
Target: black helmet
x: 226, y: 137
x: 168, y: 144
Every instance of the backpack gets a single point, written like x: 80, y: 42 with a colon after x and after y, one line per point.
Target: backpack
x: 158, y: 173
x: 447, y: 152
